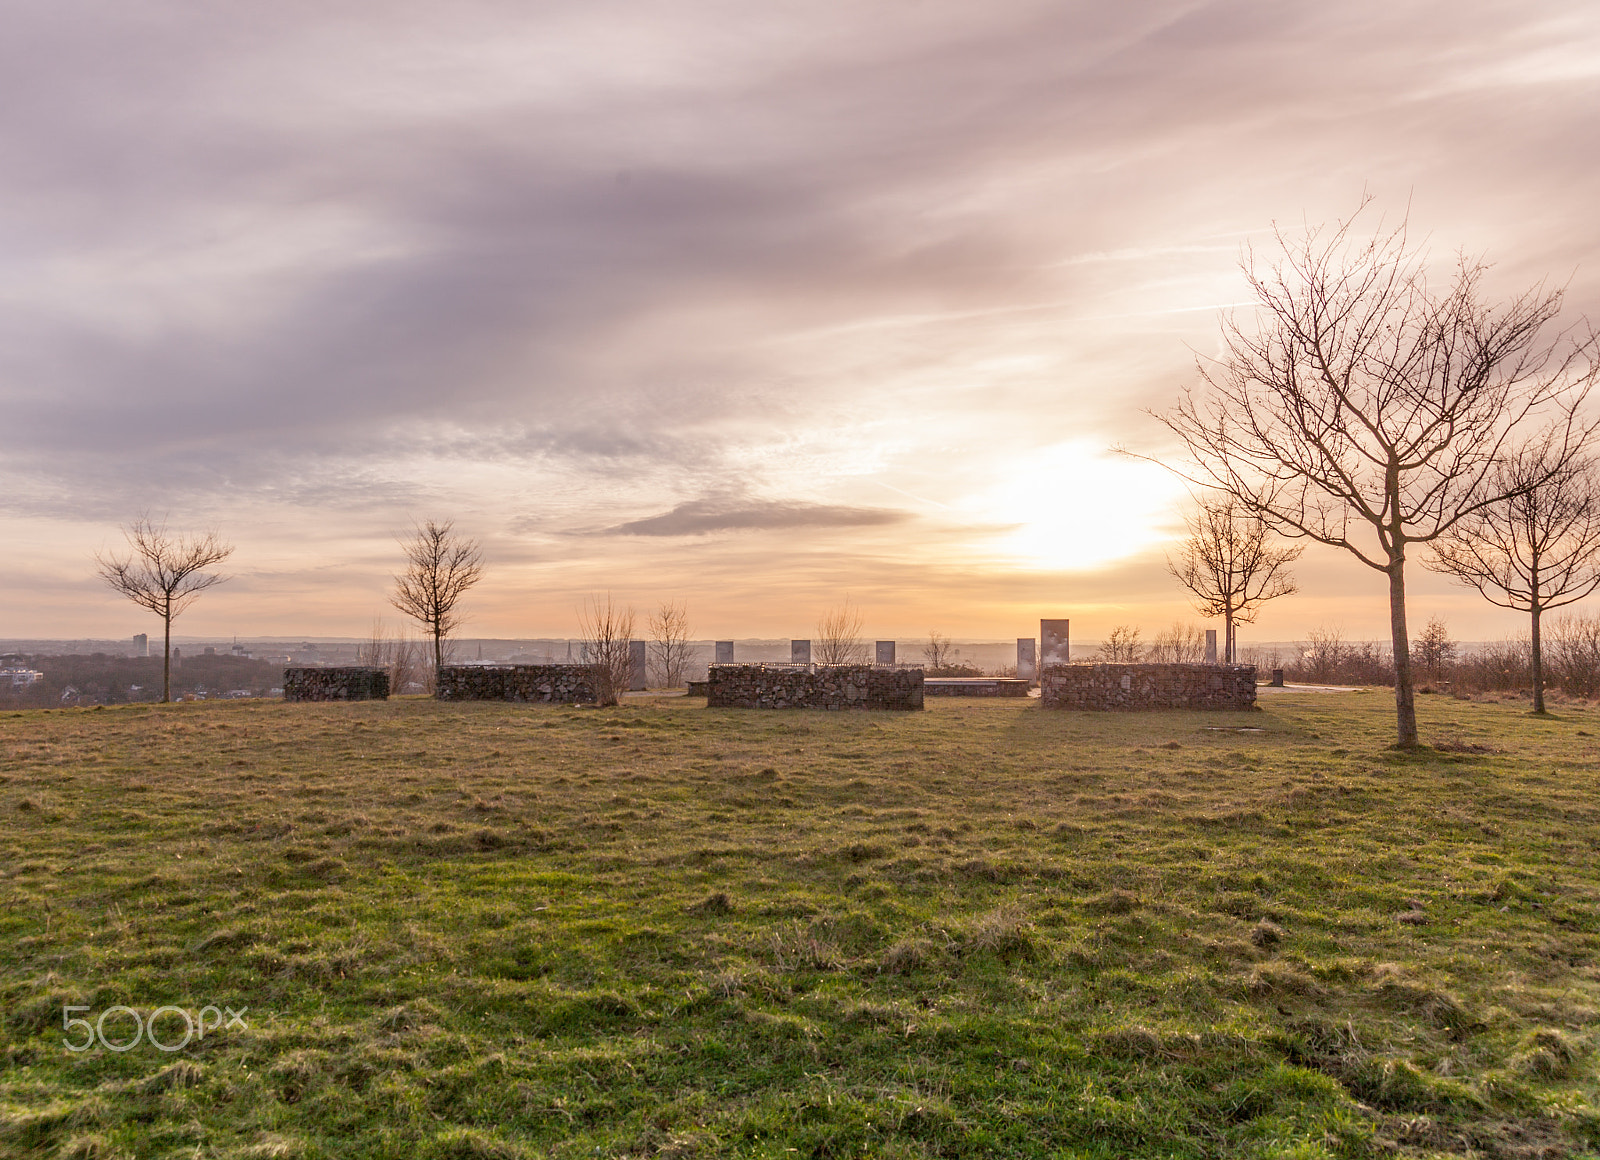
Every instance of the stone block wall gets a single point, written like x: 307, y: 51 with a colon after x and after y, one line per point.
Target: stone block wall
x: 812, y: 687
x: 1132, y: 687
x: 549, y: 684
x: 350, y: 683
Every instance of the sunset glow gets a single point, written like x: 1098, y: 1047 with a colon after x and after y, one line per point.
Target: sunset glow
x: 745, y: 305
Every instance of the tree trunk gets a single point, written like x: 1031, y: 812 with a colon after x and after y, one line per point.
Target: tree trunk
x: 1537, y: 658
x: 166, y: 654
x: 438, y: 656
x: 1228, y: 649
x: 1405, y: 701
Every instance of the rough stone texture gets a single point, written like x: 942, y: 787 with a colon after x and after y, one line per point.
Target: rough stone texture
x: 351, y: 683
x: 975, y: 687
x: 812, y: 687
x: 1117, y: 687
x: 550, y: 684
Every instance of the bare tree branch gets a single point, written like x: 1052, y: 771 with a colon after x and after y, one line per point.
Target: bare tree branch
x: 1363, y: 409
x: 440, y: 567
x: 669, y: 642
x: 607, y: 631
x: 1230, y: 567
x: 839, y: 637
x: 164, y: 573
x: 1536, y: 549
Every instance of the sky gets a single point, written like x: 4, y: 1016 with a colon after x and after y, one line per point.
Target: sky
x: 758, y: 306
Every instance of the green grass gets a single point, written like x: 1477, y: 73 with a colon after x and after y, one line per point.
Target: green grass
x: 983, y: 930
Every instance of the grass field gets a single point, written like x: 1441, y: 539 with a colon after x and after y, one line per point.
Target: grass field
x: 982, y: 930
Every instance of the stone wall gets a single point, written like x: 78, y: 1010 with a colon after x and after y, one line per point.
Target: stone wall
x: 812, y: 687
x: 1114, y: 687
x: 551, y: 684
x: 351, y: 683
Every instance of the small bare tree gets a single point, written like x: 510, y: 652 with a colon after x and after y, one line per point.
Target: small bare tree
x: 1229, y: 565
x: 164, y: 573
x: 1122, y: 646
x: 1182, y: 644
x: 839, y: 637
x: 397, y: 653
x: 1537, y: 548
x: 1575, y: 653
x: 1363, y: 408
x: 670, y: 650
x: 440, y: 567
x: 1434, y: 651
x: 607, y: 631
x: 937, y: 651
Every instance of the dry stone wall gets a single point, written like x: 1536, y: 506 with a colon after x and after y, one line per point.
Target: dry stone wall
x: 1132, y: 687
x: 350, y: 683
x: 812, y: 687
x: 549, y: 684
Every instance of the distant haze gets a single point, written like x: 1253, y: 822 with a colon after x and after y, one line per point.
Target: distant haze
x: 757, y: 306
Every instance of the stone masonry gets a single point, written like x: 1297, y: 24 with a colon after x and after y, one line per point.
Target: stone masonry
x: 1132, y: 687
x: 550, y: 684
x: 812, y: 687
x: 350, y: 683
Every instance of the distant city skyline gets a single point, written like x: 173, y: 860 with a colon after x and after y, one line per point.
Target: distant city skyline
x: 757, y: 307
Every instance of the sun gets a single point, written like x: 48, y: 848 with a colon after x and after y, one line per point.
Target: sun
x: 1073, y: 506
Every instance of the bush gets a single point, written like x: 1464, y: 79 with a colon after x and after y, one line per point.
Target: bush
x: 1572, y: 654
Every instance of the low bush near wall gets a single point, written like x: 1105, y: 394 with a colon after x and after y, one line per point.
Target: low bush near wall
x: 812, y: 687
x: 548, y: 684
x: 350, y: 683
x: 1132, y: 687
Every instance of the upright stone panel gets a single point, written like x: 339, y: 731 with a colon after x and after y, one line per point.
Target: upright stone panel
x: 1054, y: 644
x: 1027, y: 658
x: 1134, y: 687
x: 638, y: 666
x: 348, y: 683
x: 724, y: 652
x: 799, y: 652
x: 1211, y: 646
x: 885, y: 653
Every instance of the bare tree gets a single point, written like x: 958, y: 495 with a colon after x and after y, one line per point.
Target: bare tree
x: 1363, y: 409
x: 1434, y: 651
x: 839, y: 637
x: 440, y: 567
x: 607, y: 631
x: 1182, y: 644
x: 669, y: 642
x: 1575, y: 653
x: 165, y: 573
x: 1229, y: 565
x: 937, y: 651
x: 398, y: 653
x: 1536, y: 549
x: 1122, y: 646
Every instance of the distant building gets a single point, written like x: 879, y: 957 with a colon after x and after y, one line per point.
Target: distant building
x: 20, y: 678
x: 141, y: 645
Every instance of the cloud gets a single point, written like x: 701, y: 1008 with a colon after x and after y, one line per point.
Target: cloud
x: 702, y: 516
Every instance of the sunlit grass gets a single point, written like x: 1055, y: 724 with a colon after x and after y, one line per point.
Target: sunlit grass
x: 986, y: 929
